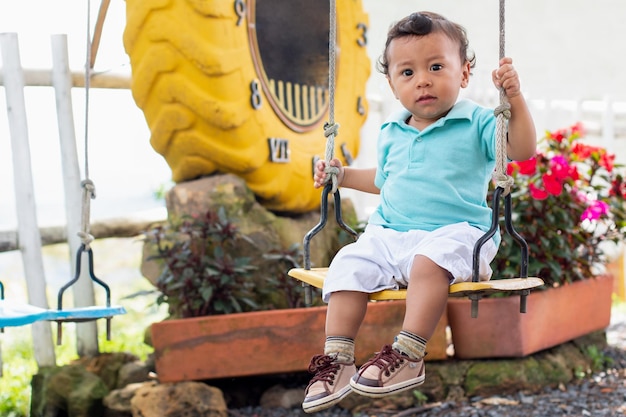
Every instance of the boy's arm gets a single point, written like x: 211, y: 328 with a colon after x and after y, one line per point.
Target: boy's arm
x: 361, y: 179
x: 522, y: 136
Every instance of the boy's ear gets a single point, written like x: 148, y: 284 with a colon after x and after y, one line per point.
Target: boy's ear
x: 467, y: 70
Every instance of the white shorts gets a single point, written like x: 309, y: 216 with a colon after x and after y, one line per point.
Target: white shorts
x: 382, y: 258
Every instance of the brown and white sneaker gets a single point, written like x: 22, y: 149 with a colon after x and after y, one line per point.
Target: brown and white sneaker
x: 388, y: 372
x: 330, y: 383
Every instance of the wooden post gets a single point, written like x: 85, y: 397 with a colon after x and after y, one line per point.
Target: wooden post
x: 608, y: 124
x: 29, y: 238
x: 83, y: 289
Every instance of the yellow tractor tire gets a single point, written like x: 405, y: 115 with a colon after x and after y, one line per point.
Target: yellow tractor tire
x: 217, y: 81
x: 237, y: 87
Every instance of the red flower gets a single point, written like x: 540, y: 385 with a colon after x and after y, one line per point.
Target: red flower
x: 528, y: 167
x: 607, y: 161
x: 618, y: 187
x: 537, y: 193
x: 583, y: 151
x: 558, y: 136
x: 552, y: 184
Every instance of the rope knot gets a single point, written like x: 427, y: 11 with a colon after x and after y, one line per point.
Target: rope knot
x: 331, y: 129
x: 503, y: 109
x: 85, y: 238
x: 332, y: 173
x: 505, y: 182
x: 90, y: 187
x: 331, y: 170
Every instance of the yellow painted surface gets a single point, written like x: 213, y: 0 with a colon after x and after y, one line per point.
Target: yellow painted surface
x: 316, y: 276
x: 194, y: 77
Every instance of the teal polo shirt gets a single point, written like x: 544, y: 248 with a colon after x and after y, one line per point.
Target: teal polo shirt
x: 437, y: 176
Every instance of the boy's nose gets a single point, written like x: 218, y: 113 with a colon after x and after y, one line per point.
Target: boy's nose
x: 423, y: 80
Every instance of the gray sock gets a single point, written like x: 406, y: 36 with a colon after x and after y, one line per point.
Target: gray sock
x: 341, y: 347
x: 410, y: 344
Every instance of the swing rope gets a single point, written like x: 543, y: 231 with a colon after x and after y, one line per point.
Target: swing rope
x: 89, y: 188
x: 503, y: 114
x: 89, y: 313
x: 331, y: 129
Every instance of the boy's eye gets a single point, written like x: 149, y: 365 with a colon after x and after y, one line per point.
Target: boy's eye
x: 436, y: 67
x: 407, y: 72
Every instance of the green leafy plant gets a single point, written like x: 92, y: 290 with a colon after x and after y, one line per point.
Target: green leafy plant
x: 420, y: 397
x: 204, y: 271
x: 599, y: 360
x: 568, y: 204
x: 290, y: 291
x: 200, y: 275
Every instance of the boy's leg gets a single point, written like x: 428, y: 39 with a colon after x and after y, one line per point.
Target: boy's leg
x: 346, y: 311
x: 333, y: 370
x: 400, y: 367
x: 427, y: 297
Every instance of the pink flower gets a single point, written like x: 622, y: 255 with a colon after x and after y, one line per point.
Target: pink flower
x: 581, y: 196
x: 560, y: 168
x: 595, y: 210
x: 578, y: 130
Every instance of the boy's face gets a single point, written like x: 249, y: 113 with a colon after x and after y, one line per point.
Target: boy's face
x: 426, y: 74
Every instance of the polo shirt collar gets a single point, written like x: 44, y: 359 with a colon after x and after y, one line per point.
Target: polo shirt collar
x: 463, y: 109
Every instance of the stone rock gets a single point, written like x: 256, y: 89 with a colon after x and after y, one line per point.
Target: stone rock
x: 511, y: 374
x: 69, y: 390
x: 107, y: 366
x: 548, y: 368
x: 279, y: 396
x: 133, y: 372
x: 189, y: 399
x: 117, y: 402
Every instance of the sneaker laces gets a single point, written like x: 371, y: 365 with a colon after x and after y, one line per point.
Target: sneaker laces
x: 324, y: 368
x: 388, y: 360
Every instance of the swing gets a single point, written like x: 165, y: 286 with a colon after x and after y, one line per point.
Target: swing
x: 475, y: 289
x: 13, y: 314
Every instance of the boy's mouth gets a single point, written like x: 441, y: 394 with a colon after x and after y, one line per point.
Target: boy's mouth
x: 426, y: 98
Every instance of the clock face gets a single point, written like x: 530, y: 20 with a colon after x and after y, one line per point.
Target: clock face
x: 289, y: 43
x: 242, y: 87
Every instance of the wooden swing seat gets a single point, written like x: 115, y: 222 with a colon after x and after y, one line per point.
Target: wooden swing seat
x: 315, y: 277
